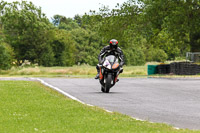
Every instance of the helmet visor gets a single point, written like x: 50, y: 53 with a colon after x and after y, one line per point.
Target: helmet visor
x: 114, y: 47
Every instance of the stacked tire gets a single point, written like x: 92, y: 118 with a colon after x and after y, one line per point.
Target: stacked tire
x: 184, y: 68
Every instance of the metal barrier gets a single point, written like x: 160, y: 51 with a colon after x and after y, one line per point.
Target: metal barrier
x: 193, y: 56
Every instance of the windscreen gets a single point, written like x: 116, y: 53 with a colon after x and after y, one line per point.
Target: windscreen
x: 111, y: 58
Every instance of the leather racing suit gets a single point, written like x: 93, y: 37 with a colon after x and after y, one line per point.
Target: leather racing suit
x: 108, y: 51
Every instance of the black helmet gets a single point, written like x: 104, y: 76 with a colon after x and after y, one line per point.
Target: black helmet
x: 113, y: 44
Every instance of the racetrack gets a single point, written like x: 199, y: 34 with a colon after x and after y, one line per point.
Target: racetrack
x: 172, y: 101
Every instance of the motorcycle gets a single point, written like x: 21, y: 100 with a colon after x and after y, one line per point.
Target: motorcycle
x: 109, y: 73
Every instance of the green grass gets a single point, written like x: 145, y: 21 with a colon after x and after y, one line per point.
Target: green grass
x: 30, y: 107
x: 83, y: 71
x: 75, y: 71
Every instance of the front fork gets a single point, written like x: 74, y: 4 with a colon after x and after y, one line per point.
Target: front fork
x: 120, y: 71
x: 101, y: 74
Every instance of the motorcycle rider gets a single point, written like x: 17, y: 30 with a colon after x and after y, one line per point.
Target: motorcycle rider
x: 111, y: 49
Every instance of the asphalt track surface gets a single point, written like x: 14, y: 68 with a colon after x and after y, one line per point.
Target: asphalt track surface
x: 172, y: 101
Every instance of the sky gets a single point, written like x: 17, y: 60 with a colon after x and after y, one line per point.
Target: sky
x: 69, y: 8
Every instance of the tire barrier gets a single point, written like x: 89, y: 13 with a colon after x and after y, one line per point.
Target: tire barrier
x: 164, y: 69
x: 176, y: 68
x: 184, y: 68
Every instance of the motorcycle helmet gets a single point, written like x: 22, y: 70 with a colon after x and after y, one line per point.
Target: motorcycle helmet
x: 113, y: 44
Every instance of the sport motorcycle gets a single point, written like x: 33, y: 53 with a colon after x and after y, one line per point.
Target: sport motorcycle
x: 109, y: 72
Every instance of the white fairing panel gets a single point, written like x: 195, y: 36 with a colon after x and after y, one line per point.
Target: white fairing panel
x: 107, y: 64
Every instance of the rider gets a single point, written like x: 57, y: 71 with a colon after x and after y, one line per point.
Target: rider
x: 111, y: 49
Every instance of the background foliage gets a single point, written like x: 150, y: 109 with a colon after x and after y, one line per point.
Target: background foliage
x: 147, y: 30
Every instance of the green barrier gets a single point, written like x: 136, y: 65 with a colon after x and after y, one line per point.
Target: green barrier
x: 152, y: 69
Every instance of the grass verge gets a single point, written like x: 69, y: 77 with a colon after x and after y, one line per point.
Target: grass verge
x: 83, y: 71
x: 75, y: 71
x: 30, y: 107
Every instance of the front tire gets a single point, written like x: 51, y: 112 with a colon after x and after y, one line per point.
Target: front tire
x: 102, y: 89
x: 108, y: 83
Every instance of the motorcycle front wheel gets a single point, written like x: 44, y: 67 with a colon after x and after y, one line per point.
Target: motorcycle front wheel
x: 102, y: 89
x: 108, y: 83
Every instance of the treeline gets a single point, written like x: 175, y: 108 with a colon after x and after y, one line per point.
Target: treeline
x: 147, y: 30
x: 29, y: 35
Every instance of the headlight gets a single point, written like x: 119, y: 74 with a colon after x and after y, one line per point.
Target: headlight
x: 116, y: 65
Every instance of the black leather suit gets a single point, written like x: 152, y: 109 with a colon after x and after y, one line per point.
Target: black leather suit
x: 108, y: 51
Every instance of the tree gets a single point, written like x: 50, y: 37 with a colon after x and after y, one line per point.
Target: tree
x: 64, y: 23
x: 180, y: 19
x: 64, y: 48
x: 27, y: 30
x: 88, y: 46
x: 123, y: 24
x: 6, y: 56
x: 78, y: 20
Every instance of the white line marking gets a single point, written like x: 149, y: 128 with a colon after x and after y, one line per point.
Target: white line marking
x: 76, y: 99
x: 137, y: 119
x: 108, y: 111
x: 90, y: 105
x: 61, y: 91
x: 176, y: 128
x: 66, y: 94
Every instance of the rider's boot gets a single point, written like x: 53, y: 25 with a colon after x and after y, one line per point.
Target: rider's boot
x: 121, y: 70
x: 98, y: 71
x: 97, y: 76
